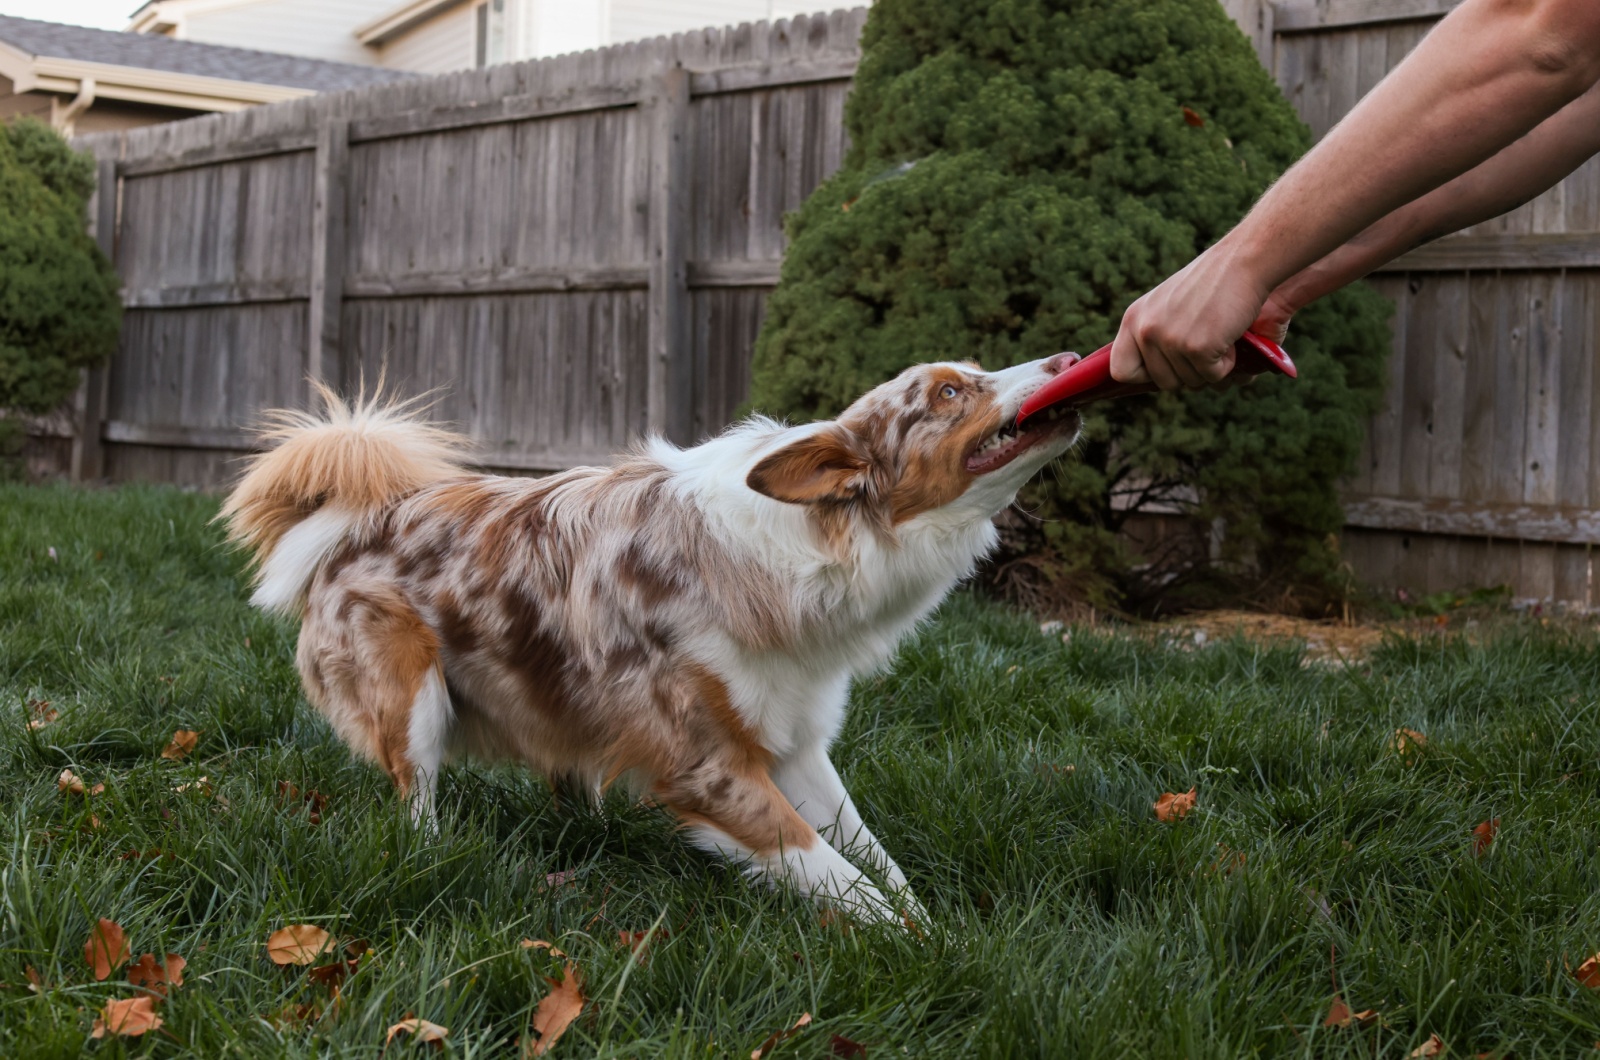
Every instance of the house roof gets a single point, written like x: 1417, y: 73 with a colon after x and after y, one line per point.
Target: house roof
x: 77, y: 44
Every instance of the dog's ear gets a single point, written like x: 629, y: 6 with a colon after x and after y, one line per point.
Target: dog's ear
x: 829, y: 465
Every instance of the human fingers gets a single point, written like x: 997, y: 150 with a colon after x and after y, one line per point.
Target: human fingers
x: 1127, y: 363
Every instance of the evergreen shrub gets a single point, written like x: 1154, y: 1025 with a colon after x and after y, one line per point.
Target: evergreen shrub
x: 1019, y: 172
x: 59, y: 308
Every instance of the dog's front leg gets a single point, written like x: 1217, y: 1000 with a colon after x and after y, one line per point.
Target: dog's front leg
x: 734, y: 809
x: 810, y: 782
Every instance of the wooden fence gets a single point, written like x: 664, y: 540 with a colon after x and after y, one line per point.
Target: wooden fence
x: 1483, y: 468
x: 578, y: 249
x: 567, y: 252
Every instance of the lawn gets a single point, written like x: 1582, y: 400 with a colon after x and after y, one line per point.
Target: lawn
x: 1011, y: 774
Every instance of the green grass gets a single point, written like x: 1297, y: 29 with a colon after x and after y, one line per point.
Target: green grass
x: 1068, y: 920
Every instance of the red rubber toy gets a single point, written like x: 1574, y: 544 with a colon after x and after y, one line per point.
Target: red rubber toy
x: 1090, y: 379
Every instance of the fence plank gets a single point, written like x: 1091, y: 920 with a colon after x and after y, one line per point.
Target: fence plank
x: 88, y: 458
x: 1303, y: 16
x: 670, y: 383
x: 328, y: 236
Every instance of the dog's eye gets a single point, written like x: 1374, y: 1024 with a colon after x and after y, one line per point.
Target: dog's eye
x: 947, y: 391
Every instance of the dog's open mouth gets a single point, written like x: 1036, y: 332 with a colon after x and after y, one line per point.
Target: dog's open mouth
x: 1011, y: 441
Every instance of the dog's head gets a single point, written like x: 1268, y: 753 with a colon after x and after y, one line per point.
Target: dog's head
x: 939, y: 437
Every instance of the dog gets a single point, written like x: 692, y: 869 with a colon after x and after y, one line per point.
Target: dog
x: 689, y: 619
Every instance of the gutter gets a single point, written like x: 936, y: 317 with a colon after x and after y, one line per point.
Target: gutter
x: 66, y: 122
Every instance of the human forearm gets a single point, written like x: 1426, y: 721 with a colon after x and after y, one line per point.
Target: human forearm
x: 1488, y: 72
x: 1518, y: 173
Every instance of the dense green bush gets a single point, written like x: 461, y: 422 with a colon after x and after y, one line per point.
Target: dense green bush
x: 1020, y: 171
x: 59, y: 310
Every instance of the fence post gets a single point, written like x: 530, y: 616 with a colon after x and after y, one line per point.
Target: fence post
x: 670, y: 381
x: 88, y: 455
x: 324, y: 360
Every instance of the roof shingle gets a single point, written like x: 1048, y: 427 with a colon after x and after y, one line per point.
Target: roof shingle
x: 150, y: 52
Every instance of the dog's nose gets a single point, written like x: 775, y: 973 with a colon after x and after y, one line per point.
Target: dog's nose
x: 1060, y: 363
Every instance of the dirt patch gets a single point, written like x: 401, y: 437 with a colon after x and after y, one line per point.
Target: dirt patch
x: 1325, y: 641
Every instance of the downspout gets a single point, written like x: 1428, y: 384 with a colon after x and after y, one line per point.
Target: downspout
x: 67, y: 120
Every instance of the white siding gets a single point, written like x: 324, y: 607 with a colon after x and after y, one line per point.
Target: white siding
x: 317, y: 29
x: 441, y: 44
x: 639, y: 19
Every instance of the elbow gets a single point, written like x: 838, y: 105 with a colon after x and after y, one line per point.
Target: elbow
x: 1559, y: 40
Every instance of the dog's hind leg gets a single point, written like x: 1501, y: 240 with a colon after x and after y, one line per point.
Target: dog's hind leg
x: 372, y: 666
x: 427, y: 740
x: 810, y: 782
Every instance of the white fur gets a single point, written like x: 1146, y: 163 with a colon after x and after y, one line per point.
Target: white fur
x: 287, y: 571
x: 428, y: 740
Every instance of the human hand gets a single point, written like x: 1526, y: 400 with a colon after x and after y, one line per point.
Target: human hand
x: 1273, y: 320
x: 1182, y: 333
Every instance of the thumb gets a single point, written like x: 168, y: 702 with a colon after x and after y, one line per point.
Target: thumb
x: 1127, y: 363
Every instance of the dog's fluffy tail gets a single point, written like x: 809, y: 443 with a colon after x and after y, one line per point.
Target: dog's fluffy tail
x: 321, y: 475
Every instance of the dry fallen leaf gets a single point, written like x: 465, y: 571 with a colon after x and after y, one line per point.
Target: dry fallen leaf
x: 1192, y: 118
x: 556, y: 1011
x: 1483, y: 835
x: 182, y: 743
x: 1434, y: 1046
x: 1588, y: 973
x: 1408, y: 744
x: 541, y: 944
x: 842, y: 1046
x: 42, y: 714
x: 559, y: 879
x: 155, y: 976
x: 1172, y: 807
x: 777, y: 1037
x: 420, y: 1029
x: 70, y: 781
x: 297, y: 944
x: 107, y: 949
x: 640, y: 941
x: 35, y: 980
x: 1339, y: 1015
x: 131, y: 1018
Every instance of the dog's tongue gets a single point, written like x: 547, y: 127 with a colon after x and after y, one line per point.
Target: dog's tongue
x: 1090, y: 379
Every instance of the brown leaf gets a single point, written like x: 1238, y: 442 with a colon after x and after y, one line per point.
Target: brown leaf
x: 35, y: 981
x: 154, y: 976
x: 559, y: 879
x: 1172, y: 807
x: 331, y: 975
x: 777, y: 1037
x: 1228, y: 860
x: 314, y: 801
x: 106, y: 949
x: 420, y: 1029
x: 297, y: 944
x: 42, y: 714
x: 842, y: 1046
x: 182, y: 743
x: 639, y: 942
x: 1339, y: 1015
x: 1434, y: 1046
x: 129, y: 1018
x: 70, y: 781
x: 1192, y: 118
x: 556, y: 1011
x: 541, y: 944
x: 1588, y: 973
x: 1408, y: 744
x: 1483, y: 835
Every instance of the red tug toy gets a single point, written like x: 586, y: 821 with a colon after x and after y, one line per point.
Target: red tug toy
x: 1090, y: 379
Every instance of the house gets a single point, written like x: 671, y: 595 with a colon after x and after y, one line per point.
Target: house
x: 437, y: 36
x: 89, y: 80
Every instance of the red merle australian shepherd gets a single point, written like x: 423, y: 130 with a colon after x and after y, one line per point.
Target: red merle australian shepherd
x: 687, y: 619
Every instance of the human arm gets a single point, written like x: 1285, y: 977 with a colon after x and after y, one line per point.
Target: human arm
x: 1560, y: 144
x: 1488, y: 73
